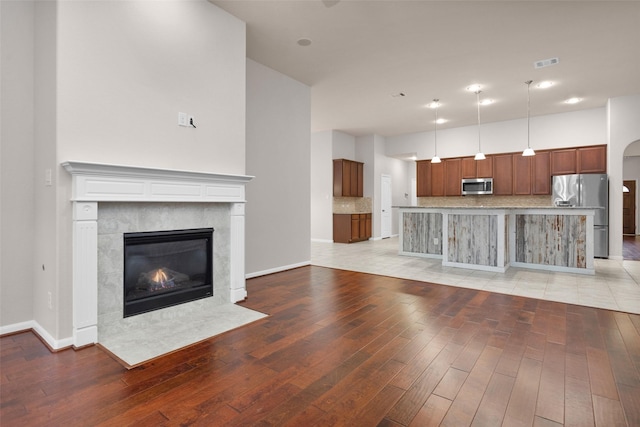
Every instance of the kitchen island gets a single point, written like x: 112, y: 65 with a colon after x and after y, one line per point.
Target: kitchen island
x: 494, y: 238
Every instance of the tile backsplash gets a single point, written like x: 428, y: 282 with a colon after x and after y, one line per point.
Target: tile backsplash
x: 502, y: 201
x: 347, y: 205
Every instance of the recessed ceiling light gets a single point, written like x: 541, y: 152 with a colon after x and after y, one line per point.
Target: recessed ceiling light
x: 545, y: 84
x: 304, y: 42
x: 441, y: 121
x: 433, y: 105
x: 573, y: 100
x: 474, y: 87
x: 487, y: 101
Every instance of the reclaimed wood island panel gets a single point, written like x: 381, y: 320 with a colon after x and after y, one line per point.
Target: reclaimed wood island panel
x: 495, y: 238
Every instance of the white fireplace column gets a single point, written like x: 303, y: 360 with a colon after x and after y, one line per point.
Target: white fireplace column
x: 94, y: 182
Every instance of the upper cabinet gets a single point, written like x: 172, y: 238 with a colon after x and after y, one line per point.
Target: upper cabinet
x: 453, y: 177
x: 563, y: 162
x: 472, y: 168
x: 512, y: 173
x: 541, y: 173
x: 592, y: 159
x: 423, y: 178
x: 348, y: 178
x: 503, y: 174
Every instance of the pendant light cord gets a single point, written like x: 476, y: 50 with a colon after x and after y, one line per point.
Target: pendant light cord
x: 478, y: 102
x: 435, y: 131
x: 528, y: 82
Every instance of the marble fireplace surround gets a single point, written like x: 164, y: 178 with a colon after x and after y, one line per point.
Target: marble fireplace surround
x: 128, y: 187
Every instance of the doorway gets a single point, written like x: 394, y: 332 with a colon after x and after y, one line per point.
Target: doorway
x: 629, y: 208
x: 385, y: 206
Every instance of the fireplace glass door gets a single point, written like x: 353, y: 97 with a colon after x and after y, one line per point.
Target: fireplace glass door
x: 166, y: 268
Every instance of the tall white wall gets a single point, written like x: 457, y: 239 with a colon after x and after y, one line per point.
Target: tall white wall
x: 586, y: 127
x: 110, y: 78
x: 623, y: 130
x: 278, y: 155
x: 17, y: 202
x: 321, y: 179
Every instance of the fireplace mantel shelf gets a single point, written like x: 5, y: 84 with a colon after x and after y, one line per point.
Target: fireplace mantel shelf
x: 106, y: 182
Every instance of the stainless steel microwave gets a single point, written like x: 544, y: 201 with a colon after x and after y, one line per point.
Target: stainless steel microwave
x: 477, y: 186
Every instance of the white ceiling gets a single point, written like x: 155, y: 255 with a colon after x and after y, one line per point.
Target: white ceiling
x: 364, y: 52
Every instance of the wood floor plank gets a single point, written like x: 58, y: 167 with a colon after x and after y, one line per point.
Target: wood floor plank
x: 351, y: 349
x: 522, y: 404
x: 432, y: 412
x: 608, y: 412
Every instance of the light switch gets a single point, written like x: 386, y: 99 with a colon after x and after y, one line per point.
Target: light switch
x: 183, y: 119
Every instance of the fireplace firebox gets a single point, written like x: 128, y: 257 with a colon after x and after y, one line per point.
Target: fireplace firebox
x: 166, y: 268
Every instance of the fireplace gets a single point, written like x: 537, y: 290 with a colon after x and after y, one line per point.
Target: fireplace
x: 166, y: 268
x: 140, y: 199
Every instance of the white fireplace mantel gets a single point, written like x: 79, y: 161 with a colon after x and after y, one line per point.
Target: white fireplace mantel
x: 95, y: 182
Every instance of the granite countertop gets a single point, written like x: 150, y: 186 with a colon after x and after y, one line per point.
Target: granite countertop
x: 500, y: 207
x: 352, y: 213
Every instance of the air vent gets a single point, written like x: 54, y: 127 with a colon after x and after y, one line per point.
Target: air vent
x: 546, y: 62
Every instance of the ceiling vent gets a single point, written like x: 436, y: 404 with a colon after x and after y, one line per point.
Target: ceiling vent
x: 546, y: 62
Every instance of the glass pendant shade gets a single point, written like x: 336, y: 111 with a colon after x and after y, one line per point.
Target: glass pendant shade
x: 479, y: 156
x: 435, y: 159
x: 528, y: 152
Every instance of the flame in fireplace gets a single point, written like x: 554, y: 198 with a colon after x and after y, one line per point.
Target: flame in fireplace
x: 160, y: 277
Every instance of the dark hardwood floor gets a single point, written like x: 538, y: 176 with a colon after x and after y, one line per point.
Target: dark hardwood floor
x: 351, y: 349
x: 631, y: 247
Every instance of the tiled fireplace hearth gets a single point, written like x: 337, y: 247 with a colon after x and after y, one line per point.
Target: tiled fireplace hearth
x: 110, y: 200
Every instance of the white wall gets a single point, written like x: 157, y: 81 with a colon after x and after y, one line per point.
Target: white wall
x: 623, y: 130
x: 343, y: 146
x: 587, y: 127
x: 321, y: 186
x: 110, y: 78
x: 278, y: 155
x: 17, y: 202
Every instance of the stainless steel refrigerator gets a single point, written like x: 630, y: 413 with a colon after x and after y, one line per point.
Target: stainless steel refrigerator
x: 587, y: 190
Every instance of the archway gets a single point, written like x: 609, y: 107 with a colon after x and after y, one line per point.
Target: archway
x: 630, y: 211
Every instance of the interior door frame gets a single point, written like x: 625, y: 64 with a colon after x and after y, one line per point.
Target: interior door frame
x: 632, y: 185
x: 386, y: 218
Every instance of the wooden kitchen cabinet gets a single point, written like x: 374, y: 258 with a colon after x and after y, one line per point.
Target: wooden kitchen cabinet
x: 541, y: 173
x: 350, y: 228
x: 348, y: 178
x: 472, y: 168
x: 453, y: 177
x: 437, y: 179
x: 484, y: 168
x: 423, y: 178
x: 563, y: 162
x: 521, y: 175
x: 469, y: 168
x: 503, y: 175
x: 592, y: 159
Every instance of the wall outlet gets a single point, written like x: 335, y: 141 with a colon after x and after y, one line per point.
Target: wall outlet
x: 435, y: 240
x: 50, y: 300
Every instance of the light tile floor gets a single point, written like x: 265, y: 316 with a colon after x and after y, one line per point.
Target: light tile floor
x: 615, y: 286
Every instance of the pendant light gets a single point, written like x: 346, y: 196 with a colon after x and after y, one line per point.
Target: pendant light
x: 528, y: 151
x: 480, y: 154
x: 435, y: 158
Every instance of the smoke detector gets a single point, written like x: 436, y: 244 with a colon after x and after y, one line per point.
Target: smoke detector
x: 546, y: 62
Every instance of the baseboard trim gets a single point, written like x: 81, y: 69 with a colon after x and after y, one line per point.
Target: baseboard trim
x: 277, y: 269
x: 33, y: 326
x: 322, y: 240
